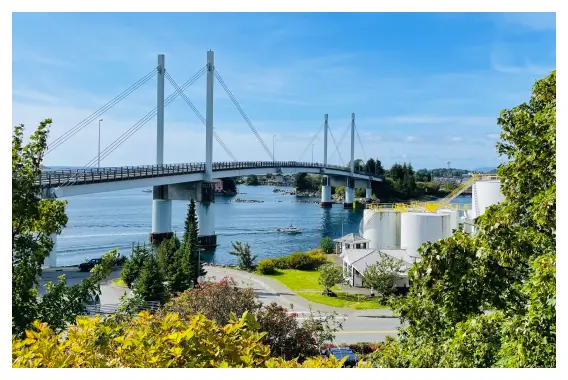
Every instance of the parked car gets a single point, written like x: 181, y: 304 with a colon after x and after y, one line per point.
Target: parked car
x: 87, y: 266
x: 340, y: 353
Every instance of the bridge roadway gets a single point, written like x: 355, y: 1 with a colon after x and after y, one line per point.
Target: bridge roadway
x: 62, y: 183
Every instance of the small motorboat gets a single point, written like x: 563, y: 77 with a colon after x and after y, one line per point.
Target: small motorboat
x: 290, y: 230
x: 147, y: 190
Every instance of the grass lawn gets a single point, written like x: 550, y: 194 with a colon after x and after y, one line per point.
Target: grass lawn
x: 344, y: 300
x: 298, y: 279
x: 119, y: 282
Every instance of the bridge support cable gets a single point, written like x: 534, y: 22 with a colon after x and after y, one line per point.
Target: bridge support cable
x: 361, y: 144
x: 237, y: 105
x: 338, y: 144
x: 311, y: 142
x: 98, y: 113
x: 136, y: 127
x: 198, y: 114
x: 132, y: 130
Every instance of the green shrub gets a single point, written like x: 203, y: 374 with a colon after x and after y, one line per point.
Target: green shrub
x: 266, y: 266
x: 318, y: 258
x: 310, y: 260
x: 281, y: 263
x: 326, y: 245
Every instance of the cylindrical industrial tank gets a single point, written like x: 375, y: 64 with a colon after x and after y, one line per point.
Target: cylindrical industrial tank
x: 381, y: 228
x: 485, y: 194
x: 416, y: 228
x: 454, y: 220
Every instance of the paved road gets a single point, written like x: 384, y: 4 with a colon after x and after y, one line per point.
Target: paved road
x: 358, y: 325
x: 110, y: 293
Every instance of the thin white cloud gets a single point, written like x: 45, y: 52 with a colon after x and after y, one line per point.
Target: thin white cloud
x: 530, y: 20
x: 514, y: 60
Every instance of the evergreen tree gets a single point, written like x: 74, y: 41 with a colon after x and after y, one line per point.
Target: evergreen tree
x: 168, y: 255
x: 379, y: 170
x: 370, y: 166
x: 189, y: 256
x: 133, y: 266
x: 246, y: 259
x: 150, y: 284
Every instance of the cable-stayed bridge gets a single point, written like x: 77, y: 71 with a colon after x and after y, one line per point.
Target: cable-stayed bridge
x: 186, y: 181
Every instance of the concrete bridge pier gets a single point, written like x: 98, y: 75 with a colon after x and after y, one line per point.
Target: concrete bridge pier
x: 161, y: 216
x: 203, y: 192
x: 326, y: 201
x: 349, y: 193
x: 206, y: 216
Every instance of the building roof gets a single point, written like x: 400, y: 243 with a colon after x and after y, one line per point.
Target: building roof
x: 400, y: 254
x: 351, y: 238
x: 351, y: 256
x: 360, y: 259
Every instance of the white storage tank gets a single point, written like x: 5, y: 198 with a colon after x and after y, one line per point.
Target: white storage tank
x: 485, y: 194
x: 454, y: 220
x: 382, y: 228
x: 420, y: 227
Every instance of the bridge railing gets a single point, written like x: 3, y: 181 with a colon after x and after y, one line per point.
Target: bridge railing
x: 56, y: 178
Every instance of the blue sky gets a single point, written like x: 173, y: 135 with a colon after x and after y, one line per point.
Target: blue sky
x: 425, y: 88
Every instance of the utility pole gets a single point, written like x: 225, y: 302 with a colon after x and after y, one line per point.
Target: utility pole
x: 313, y: 153
x: 209, y: 117
x: 160, y: 110
x: 325, y: 127
x: 352, y: 144
x: 273, y: 155
x: 99, y: 154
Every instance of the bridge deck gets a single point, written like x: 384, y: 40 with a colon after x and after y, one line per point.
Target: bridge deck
x: 59, y: 178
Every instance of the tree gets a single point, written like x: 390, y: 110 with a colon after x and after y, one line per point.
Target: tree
x: 286, y: 336
x: 133, y: 266
x: 330, y: 275
x: 301, y: 182
x: 359, y: 165
x: 190, y: 267
x: 252, y: 180
x: 339, y: 191
x: 150, y: 284
x: 508, y: 266
x: 289, y: 339
x: 34, y: 220
x: 215, y: 300
x: 246, y: 259
x: 370, y: 166
x: 383, y: 275
x: 423, y: 175
x: 327, y: 245
x: 379, y: 170
x: 166, y: 256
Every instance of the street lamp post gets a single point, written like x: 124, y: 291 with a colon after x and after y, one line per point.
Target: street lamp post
x: 99, y: 154
x: 273, y: 156
x: 313, y: 153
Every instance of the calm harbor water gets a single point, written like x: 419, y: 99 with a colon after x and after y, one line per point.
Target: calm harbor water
x: 100, y: 222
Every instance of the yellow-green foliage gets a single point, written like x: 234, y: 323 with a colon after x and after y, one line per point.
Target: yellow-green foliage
x: 147, y: 341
